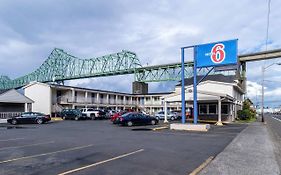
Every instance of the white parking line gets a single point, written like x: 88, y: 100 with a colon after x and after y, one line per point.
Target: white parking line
x: 11, y: 139
x: 45, y: 154
x: 101, y: 162
x: 277, y: 119
x: 36, y: 144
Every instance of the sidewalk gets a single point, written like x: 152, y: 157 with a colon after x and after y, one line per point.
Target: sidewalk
x: 251, y: 152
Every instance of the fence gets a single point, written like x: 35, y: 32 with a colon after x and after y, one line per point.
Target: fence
x: 5, y: 115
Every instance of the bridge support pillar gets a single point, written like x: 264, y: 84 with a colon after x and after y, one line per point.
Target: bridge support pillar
x: 139, y: 87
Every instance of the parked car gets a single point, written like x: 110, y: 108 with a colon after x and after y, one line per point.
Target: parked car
x: 170, y: 116
x: 133, y: 118
x: 29, y: 117
x: 75, y: 114
x: 109, y: 113
x: 93, y: 113
x: 115, y: 117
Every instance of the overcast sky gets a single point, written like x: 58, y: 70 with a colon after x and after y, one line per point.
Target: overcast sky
x: 154, y: 29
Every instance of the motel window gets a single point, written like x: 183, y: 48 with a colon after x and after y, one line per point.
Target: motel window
x: 224, y: 109
x: 202, y: 109
x: 212, y: 109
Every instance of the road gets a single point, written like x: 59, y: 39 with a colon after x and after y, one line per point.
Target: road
x: 273, y: 123
x: 98, y: 147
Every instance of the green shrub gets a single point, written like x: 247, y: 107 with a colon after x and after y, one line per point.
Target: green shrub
x: 247, y: 113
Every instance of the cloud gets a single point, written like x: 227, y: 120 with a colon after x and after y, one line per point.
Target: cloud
x: 253, y: 89
x: 154, y: 29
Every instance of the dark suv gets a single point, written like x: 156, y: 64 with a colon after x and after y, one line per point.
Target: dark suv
x: 75, y: 114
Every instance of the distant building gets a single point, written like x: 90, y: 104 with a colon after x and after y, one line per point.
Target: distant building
x: 12, y: 102
x: 51, y: 98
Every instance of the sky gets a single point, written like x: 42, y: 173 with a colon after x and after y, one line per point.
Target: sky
x: 155, y: 30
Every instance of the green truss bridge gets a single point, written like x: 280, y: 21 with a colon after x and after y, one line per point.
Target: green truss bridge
x: 62, y: 66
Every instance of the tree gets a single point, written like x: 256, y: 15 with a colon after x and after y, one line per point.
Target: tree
x: 247, y: 113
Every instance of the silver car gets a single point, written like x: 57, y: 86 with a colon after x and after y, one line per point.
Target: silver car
x: 161, y: 115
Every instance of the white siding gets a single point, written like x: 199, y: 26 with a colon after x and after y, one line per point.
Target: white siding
x: 210, y: 86
x: 41, y: 95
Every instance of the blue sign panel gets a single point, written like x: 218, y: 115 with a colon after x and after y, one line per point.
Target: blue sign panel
x: 216, y: 54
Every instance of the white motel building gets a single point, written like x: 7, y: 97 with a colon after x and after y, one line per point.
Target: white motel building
x: 214, y: 90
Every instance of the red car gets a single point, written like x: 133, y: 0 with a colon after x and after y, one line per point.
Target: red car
x: 116, y: 116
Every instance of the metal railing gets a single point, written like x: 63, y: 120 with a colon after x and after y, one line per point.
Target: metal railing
x: 5, y: 115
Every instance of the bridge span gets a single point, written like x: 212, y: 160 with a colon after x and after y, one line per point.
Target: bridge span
x: 61, y: 66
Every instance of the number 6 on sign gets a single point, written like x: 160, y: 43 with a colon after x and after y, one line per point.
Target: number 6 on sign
x: 218, y: 53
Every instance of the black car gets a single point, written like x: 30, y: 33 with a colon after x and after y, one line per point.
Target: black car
x: 29, y: 117
x: 133, y: 118
x: 71, y: 114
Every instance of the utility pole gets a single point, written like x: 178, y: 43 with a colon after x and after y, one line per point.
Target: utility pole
x: 262, y: 94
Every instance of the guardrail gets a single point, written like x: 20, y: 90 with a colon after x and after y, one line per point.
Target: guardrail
x: 5, y: 115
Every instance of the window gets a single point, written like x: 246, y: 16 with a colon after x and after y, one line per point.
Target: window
x: 212, y: 109
x: 224, y: 109
x: 202, y: 109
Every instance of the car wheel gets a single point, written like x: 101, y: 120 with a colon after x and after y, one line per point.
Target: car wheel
x: 153, y: 122
x: 39, y: 121
x: 76, y: 118
x: 172, y: 118
x: 157, y: 118
x: 64, y: 118
x: 129, y: 123
x: 14, y: 122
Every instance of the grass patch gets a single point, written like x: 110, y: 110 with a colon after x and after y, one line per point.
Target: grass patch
x: 246, y: 121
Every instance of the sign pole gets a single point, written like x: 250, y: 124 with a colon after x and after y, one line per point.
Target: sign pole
x: 195, y: 111
x: 182, y: 88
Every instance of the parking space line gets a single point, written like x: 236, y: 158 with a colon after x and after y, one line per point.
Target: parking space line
x: 11, y: 139
x: 36, y: 144
x: 45, y: 154
x: 276, y: 119
x: 203, y: 165
x: 101, y: 162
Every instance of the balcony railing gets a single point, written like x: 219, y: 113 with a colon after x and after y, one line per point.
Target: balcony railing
x: 5, y: 115
x: 64, y: 100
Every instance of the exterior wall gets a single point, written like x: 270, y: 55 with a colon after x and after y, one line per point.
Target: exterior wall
x: 41, y: 95
x: 223, y: 88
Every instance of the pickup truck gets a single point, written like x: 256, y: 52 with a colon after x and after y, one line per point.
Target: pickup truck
x: 93, y: 113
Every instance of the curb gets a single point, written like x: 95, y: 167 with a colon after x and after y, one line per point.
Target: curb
x: 160, y: 128
x: 56, y: 119
x: 3, y: 121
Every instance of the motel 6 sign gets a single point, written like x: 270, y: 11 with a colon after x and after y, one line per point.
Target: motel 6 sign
x: 216, y: 54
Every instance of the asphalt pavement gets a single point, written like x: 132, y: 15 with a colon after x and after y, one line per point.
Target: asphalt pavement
x: 99, y: 147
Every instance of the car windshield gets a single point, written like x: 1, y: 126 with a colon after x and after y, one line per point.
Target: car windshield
x: 126, y: 114
x: 77, y: 111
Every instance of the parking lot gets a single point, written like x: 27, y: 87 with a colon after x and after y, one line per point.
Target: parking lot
x: 98, y: 147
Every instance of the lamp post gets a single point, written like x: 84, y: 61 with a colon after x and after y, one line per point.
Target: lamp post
x: 262, y: 90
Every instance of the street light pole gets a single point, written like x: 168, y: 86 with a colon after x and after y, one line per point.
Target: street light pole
x: 262, y: 94
x: 262, y: 90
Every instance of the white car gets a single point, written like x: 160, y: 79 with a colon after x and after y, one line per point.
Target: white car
x: 161, y: 116
x: 93, y: 113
